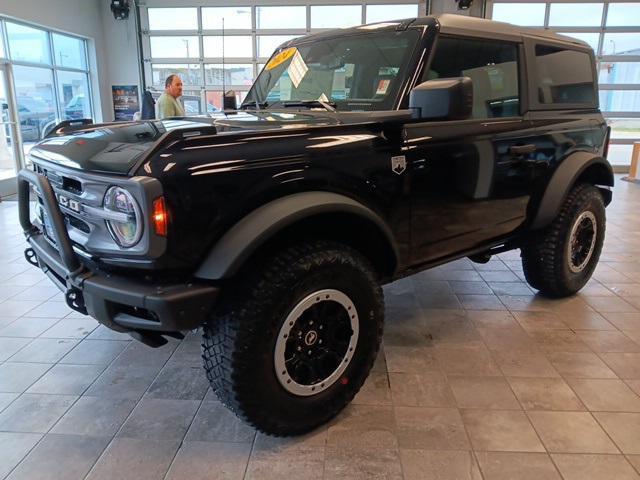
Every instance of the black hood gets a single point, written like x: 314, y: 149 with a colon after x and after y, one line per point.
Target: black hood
x: 267, y: 120
x: 117, y: 147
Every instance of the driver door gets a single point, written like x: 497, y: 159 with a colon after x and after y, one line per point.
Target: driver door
x: 469, y: 186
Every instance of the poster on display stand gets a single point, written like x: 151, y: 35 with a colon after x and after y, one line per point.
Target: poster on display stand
x: 125, y: 102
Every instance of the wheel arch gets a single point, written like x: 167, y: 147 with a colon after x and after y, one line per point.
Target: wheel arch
x: 325, y: 215
x: 577, y: 168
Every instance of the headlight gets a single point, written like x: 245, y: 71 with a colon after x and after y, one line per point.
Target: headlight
x: 125, y: 232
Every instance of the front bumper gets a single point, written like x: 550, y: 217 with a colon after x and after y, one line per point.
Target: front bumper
x: 118, y: 302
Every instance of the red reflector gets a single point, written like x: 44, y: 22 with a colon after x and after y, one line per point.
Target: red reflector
x: 160, y: 217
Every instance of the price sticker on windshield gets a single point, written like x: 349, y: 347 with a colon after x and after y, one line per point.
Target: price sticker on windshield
x: 297, y: 69
x: 280, y: 58
x: 383, y: 86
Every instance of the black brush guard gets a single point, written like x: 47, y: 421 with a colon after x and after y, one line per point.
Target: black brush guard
x: 147, y: 310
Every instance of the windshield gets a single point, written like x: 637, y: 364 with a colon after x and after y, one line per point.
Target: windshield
x: 356, y: 72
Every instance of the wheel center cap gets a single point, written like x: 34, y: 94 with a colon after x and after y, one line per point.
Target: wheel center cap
x: 311, y: 337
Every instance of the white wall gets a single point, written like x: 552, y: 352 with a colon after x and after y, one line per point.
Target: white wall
x: 121, y: 52
x: 112, y: 44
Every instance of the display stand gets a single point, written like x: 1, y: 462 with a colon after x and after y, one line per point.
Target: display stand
x: 634, y: 170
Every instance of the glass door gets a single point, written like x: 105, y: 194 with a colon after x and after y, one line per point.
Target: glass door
x: 10, y: 152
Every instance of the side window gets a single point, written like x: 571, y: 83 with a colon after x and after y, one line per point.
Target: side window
x: 564, y: 76
x: 492, y: 67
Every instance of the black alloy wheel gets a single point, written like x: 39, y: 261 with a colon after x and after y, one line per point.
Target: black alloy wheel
x: 296, y: 340
x: 560, y: 259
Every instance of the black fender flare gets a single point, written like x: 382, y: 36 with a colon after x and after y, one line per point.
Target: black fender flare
x: 246, y: 236
x: 564, y: 178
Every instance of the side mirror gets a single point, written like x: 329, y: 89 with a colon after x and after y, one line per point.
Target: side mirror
x: 443, y: 99
x: 229, y: 101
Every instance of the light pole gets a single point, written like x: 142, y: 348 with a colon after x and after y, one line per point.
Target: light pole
x: 186, y: 44
x: 223, y: 82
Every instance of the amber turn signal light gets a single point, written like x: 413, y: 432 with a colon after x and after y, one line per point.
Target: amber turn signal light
x: 160, y: 217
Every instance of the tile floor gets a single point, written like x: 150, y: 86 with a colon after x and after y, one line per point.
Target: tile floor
x: 479, y: 378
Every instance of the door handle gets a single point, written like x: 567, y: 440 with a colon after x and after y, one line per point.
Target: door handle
x: 420, y: 164
x: 522, y: 149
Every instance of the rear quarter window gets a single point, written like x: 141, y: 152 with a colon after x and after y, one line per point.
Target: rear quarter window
x: 564, y: 76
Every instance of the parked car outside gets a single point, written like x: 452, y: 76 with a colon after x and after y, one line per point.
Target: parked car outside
x: 35, y: 116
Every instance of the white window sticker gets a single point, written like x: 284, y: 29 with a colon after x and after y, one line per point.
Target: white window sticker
x: 297, y: 69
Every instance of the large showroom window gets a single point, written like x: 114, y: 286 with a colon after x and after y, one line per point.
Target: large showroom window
x: 50, y: 77
x: 217, y: 48
x: 612, y: 29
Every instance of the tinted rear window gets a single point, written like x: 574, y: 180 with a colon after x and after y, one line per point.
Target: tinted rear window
x: 564, y: 76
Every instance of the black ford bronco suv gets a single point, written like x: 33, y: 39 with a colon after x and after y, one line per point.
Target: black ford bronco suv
x: 358, y: 157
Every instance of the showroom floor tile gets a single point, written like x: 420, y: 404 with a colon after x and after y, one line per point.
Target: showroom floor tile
x: 478, y: 378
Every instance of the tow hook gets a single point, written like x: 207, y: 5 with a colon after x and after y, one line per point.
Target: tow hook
x: 31, y: 257
x: 75, y: 300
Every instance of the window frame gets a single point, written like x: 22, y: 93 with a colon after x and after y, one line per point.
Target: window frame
x: 388, y: 3
x: 4, y: 43
x: 335, y: 5
x: 578, y: 2
x: 258, y: 28
x: 157, y: 31
x: 85, y: 58
x: 545, y: 10
x: 53, y: 67
x: 530, y: 44
x: 8, y: 50
x: 216, y: 31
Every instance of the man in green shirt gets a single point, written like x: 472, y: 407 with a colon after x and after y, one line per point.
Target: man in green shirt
x: 168, y: 104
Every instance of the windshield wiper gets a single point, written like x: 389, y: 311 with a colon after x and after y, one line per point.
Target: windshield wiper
x: 329, y: 106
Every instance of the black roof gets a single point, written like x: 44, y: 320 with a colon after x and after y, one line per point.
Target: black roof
x: 449, y: 23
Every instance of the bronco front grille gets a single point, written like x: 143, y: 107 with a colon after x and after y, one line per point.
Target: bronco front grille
x: 79, y: 196
x: 60, y: 181
x: 78, y: 226
x: 77, y: 223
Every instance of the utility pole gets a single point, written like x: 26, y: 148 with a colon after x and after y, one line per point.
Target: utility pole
x: 223, y: 82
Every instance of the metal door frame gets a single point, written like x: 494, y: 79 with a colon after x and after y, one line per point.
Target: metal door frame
x: 10, y: 186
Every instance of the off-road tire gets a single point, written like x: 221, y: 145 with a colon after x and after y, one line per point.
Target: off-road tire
x: 546, y: 258
x: 240, y: 338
